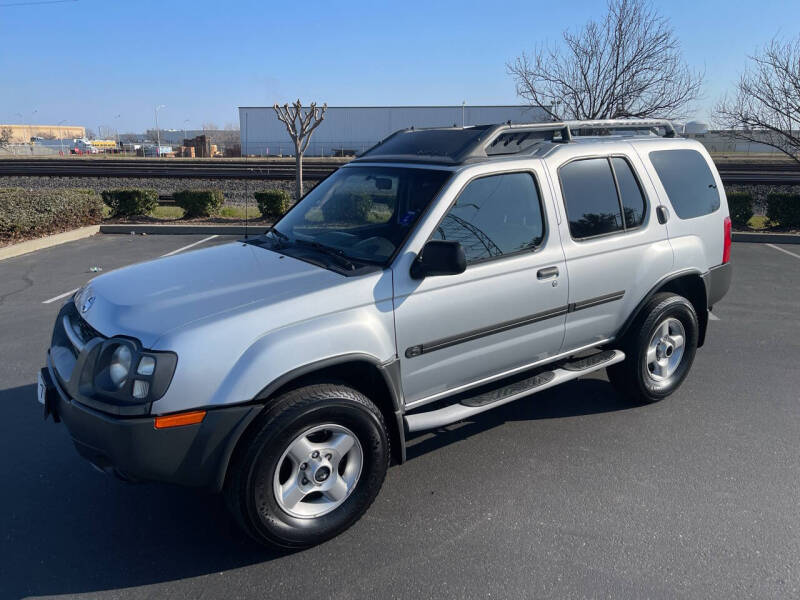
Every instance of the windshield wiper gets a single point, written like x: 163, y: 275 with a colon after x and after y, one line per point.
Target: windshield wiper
x: 330, y: 251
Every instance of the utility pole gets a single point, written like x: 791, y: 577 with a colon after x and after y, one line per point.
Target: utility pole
x: 463, y: 105
x: 158, y: 132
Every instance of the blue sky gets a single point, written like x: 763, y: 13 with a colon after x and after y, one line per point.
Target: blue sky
x: 88, y: 61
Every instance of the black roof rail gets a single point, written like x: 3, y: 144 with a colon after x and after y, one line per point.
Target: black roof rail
x: 458, y: 145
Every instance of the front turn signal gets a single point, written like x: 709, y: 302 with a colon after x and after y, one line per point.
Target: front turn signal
x: 180, y: 419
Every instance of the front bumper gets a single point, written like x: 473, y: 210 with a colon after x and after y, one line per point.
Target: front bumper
x: 191, y: 455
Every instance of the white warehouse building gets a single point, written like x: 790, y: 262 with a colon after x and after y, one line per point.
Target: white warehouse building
x: 353, y: 129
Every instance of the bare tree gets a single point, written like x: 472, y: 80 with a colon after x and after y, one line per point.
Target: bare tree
x: 765, y: 107
x: 300, y: 124
x: 629, y: 64
x: 5, y: 137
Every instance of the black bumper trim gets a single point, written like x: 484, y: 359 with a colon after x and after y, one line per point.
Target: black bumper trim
x: 717, y: 281
x: 190, y: 455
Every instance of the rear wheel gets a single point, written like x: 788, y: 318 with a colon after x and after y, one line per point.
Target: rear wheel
x: 311, y: 466
x: 659, y: 350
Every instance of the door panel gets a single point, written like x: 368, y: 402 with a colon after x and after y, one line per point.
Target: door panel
x: 500, y: 314
x: 610, y: 271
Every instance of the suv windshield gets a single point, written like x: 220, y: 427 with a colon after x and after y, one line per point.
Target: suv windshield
x: 360, y: 213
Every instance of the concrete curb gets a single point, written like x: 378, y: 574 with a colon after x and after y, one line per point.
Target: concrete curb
x: 766, y: 238
x: 47, y: 242
x: 212, y: 229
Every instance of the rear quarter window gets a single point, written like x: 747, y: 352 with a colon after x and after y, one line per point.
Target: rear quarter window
x: 688, y: 181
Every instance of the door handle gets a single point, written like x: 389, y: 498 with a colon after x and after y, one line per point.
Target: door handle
x: 547, y: 273
x: 663, y: 214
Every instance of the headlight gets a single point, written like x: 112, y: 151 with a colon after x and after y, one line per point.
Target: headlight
x: 120, y: 371
x: 120, y: 365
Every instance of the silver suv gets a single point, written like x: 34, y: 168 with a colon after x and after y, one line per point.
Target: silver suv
x: 443, y: 273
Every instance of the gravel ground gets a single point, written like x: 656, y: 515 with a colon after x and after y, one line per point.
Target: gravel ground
x: 236, y: 190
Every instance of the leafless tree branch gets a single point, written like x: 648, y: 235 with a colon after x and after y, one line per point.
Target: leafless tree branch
x: 765, y: 106
x: 300, y: 124
x: 627, y: 65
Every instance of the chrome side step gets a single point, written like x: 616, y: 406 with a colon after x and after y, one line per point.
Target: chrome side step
x: 487, y: 400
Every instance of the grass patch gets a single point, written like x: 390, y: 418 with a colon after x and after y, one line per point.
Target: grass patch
x: 758, y: 222
x: 238, y: 212
x: 168, y: 212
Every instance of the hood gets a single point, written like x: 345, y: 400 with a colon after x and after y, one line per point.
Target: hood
x: 151, y: 298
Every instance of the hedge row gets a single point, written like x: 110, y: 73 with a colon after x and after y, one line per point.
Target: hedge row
x: 740, y: 205
x: 195, y: 203
x: 131, y: 202
x: 199, y: 203
x: 273, y: 203
x: 37, y: 212
x: 784, y: 210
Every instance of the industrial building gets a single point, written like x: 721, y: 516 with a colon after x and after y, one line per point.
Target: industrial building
x: 21, y: 134
x: 353, y: 129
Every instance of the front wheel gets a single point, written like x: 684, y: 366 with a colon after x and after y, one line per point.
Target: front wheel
x: 311, y: 466
x: 659, y: 350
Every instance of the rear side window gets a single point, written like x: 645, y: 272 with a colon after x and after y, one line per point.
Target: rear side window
x: 629, y: 192
x: 688, y: 182
x: 591, y: 198
x: 494, y: 216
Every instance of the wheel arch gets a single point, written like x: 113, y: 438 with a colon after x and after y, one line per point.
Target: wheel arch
x: 690, y: 285
x: 378, y: 381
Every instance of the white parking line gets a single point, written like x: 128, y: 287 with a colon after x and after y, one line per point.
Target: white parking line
x: 211, y: 237
x: 192, y: 245
x: 713, y: 317
x: 774, y: 247
x: 60, y: 296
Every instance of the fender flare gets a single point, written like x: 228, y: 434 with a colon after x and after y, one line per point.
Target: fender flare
x: 702, y: 317
x: 390, y: 372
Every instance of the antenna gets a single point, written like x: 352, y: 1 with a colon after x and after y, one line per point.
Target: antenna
x: 247, y: 181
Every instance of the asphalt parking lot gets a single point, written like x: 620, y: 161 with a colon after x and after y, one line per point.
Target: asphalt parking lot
x: 572, y: 493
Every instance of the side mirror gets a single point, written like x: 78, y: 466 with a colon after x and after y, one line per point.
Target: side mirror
x: 439, y: 257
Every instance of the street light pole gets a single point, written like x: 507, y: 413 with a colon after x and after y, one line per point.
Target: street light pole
x: 61, y: 135
x: 158, y: 132
x: 116, y: 130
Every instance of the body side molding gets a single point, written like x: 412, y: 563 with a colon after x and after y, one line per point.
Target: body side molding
x: 474, y: 334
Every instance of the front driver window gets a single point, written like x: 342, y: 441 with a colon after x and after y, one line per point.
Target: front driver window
x: 495, y: 216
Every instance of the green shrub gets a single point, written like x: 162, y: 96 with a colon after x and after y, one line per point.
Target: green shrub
x: 348, y: 208
x: 38, y: 212
x: 784, y: 210
x: 273, y: 203
x: 131, y: 202
x: 199, y: 203
x: 740, y: 205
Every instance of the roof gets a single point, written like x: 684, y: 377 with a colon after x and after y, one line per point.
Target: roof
x: 460, y: 145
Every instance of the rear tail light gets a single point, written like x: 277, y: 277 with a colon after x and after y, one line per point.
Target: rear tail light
x: 726, y: 249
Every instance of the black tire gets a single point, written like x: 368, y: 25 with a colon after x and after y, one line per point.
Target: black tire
x: 632, y: 377
x: 249, y: 489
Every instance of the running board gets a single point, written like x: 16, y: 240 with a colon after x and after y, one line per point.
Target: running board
x: 488, y: 399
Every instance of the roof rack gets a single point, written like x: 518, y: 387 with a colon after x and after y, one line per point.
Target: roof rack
x: 623, y: 124
x: 458, y: 145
